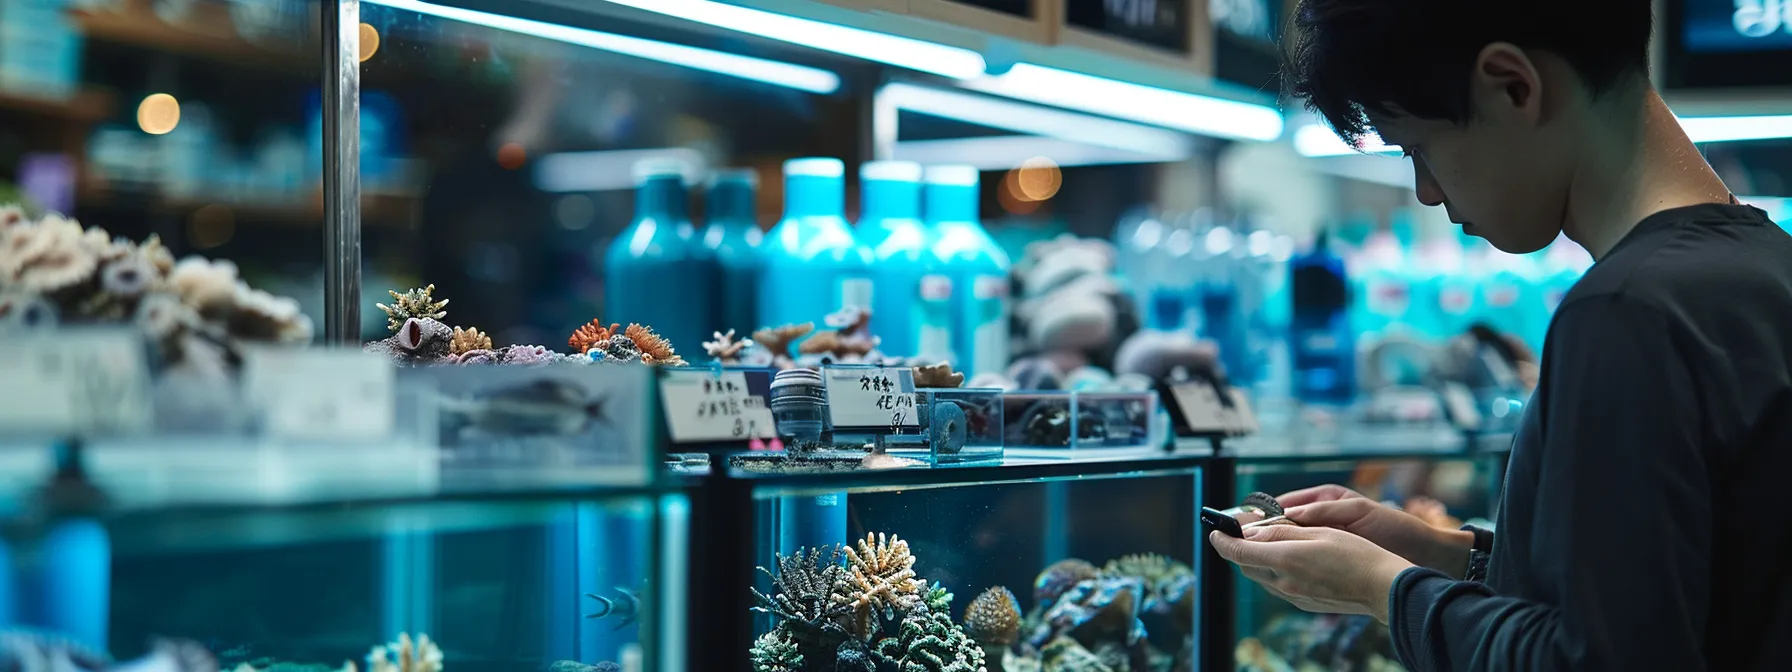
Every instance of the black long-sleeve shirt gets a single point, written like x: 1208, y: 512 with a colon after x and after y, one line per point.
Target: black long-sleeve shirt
x: 1647, y: 516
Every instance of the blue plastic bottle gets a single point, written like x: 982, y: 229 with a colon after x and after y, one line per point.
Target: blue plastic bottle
x: 1320, y: 337
x: 732, y: 239
x: 656, y: 272
x: 1222, y: 319
x: 813, y: 264
x: 978, y: 267
x: 911, y: 308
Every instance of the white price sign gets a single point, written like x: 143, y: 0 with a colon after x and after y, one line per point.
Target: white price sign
x: 316, y: 393
x: 75, y: 381
x: 1204, y: 411
x: 702, y: 406
x: 871, y: 397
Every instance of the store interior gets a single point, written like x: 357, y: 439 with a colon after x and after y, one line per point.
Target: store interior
x: 523, y: 334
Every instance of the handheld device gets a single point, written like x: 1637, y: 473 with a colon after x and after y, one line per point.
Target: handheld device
x: 1258, y: 509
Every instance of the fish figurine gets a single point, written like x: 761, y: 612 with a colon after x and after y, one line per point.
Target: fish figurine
x: 540, y: 407
x: 625, y: 609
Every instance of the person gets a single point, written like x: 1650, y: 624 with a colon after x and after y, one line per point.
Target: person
x: 1644, y: 523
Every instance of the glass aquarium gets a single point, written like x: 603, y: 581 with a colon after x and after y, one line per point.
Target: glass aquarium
x: 419, y: 575
x: 1026, y: 565
x: 1448, y: 481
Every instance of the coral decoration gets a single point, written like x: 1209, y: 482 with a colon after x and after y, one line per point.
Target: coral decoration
x: 937, y: 375
x: 723, y: 348
x: 469, y: 339
x: 649, y: 343
x: 417, y: 303
x: 778, y: 339
x: 775, y: 651
x: 993, y: 618
x: 803, y: 588
x: 1060, y: 576
x: 880, y: 582
x: 424, y: 656
x: 928, y: 642
x: 591, y: 336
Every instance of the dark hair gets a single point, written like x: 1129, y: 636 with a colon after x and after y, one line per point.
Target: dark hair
x: 1413, y: 57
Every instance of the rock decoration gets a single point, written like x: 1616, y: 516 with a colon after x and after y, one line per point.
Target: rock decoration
x: 197, y: 312
x: 420, y: 337
x: 1089, y: 619
x: 861, y: 609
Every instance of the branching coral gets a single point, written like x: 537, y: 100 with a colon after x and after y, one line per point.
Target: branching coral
x: 417, y: 303
x: 655, y: 349
x: 469, y: 339
x: 927, y: 641
x: 803, y: 589
x: 938, y: 375
x: 723, y: 348
x: 776, y: 652
x: 938, y: 599
x: 424, y: 656
x: 880, y: 582
x: 777, y: 340
x: 593, y: 335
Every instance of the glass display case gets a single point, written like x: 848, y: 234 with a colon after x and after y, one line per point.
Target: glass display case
x: 1444, y: 478
x: 996, y: 567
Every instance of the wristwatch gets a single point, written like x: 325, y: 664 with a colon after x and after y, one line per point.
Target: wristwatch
x: 1478, y: 554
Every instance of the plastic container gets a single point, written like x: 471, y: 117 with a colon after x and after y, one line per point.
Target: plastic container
x: 656, y: 272
x: 732, y: 239
x: 962, y: 425
x: 1320, y: 336
x: 799, y: 405
x: 813, y: 264
x: 978, y: 268
x: 1036, y: 419
x: 911, y: 307
x: 1113, y: 419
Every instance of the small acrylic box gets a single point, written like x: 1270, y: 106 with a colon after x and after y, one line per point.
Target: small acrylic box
x: 962, y: 425
x: 1113, y: 419
x: 1038, y: 419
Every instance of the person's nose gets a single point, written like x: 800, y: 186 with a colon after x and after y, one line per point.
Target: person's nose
x: 1425, y: 185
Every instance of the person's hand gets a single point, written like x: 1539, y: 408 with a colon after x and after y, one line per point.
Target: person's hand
x: 1397, y: 531
x: 1318, y: 569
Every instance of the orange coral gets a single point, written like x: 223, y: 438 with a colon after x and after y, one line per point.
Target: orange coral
x: 651, y: 344
x: 591, y: 335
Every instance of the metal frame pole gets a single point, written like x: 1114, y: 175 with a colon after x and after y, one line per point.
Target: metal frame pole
x: 342, y: 171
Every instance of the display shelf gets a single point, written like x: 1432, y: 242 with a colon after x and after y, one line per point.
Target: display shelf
x: 385, y: 210
x: 86, y: 106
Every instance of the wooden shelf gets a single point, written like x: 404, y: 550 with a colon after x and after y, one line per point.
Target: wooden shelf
x: 86, y: 106
x: 207, y: 33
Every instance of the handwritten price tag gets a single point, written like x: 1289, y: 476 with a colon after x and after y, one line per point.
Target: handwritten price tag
x: 320, y: 393
x: 871, y: 397
x: 1204, y: 411
x: 702, y: 407
x: 75, y: 381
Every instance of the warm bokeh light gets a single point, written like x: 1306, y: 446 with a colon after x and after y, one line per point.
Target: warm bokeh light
x: 370, y: 41
x: 1009, y: 197
x: 511, y: 155
x: 211, y: 226
x: 158, y: 113
x: 1037, y: 179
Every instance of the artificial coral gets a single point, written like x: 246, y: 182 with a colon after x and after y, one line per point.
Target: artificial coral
x: 417, y: 303
x: 197, y: 312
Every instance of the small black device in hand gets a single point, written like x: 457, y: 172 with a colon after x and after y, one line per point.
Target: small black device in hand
x: 1258, y: 509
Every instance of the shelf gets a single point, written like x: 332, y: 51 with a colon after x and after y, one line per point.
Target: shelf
x: 382, y: 210
x: 209, y: 33
x: 86, y: 106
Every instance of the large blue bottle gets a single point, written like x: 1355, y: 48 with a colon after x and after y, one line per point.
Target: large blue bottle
x: 813, y: 265
x: 1320, y: 336
x: 732, y: 239
x: 656, y: 272
x: 978, y: 267
x: 911, y: 307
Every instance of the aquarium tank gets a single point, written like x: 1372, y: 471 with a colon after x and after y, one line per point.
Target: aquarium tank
x: 1029, y: 565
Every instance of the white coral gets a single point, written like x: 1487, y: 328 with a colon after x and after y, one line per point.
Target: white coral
x: 261, y: 315
x: 425, y: 656
x: 207, y: 286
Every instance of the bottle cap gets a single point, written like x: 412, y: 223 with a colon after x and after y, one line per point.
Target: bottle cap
x: 815, y: 167
x: 746, y: 176
x: 659, y: 166
x: 952, y: 175
x: 891, y: 171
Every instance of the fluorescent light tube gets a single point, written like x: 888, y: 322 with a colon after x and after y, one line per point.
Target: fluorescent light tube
x: 813, y: 80
x: 1010, y: 151
x: 1206, y: 115
x: 1735, y: 129
x: 870, y: 45
x: 610, y: 170
x: 1034, y: 119
x: 1320, y: 140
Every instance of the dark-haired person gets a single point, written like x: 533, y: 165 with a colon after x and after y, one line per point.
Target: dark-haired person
x: 1647, y: 517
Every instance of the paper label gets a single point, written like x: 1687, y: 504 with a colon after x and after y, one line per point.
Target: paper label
x: 318, y: 393
x: 1455, y: 300
x: 990, y: 287
x: 855, y: 292
x: 933, y: 318
x: 936, y: 288
x: 1387, y: 297
x: 702, y: 407
x: 871, y: 397
x: 81, y: 382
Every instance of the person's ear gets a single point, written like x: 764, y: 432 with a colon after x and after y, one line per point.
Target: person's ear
x: 1505, y: 85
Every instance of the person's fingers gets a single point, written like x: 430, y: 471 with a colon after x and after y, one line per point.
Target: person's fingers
x: 1259, y: 574
x: 1270, y: 533
x: 1242, y: 552
x: 1323, y: 493
x: 1341, y: 513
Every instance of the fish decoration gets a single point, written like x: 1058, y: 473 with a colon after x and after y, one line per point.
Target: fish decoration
x: 626, y: 608
x: 540, y: 407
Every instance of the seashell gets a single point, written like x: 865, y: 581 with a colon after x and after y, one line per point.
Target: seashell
x: 27, y: 311
x: 127, y: 277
